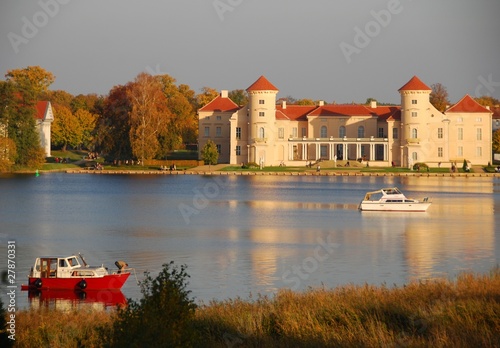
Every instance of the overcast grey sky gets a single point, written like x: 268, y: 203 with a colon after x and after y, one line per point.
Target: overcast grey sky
x: 339, y: 51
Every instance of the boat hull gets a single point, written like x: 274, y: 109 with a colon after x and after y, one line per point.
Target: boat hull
x: 107, y: 282
x: 396, y: 206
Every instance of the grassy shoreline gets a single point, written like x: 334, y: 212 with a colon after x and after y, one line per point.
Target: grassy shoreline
x: 442, y: 313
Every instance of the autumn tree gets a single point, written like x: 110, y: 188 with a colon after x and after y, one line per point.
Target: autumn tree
x: 65, y: 130
x: 206, y: 96
x: 149, y: 116
x: 209, y: 153
x: 33, y: 78
x: 87, y: 123
x: 439, y: 97
x: 183, y: 123
x: 305, y: 102
x: 487, y: 100
x: 113, y: 124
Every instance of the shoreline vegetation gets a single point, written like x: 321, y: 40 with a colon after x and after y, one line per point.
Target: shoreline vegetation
x: 74, y: 162
x: 464, y: 312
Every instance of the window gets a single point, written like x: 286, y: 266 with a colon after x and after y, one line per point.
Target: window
x: 207, y: 131
x: 323, y: 151
x: 361, y: 132
x: 414, y: 156
x: 479, y: 151
x: 460, y: 133
x: 479, y: 134
x: 394, y: 133
x: 218, y: 118
x: 413, y: 114
x: 238, y: 132
x: 460, y: 120
x: 414, y: 133
x: 440, y: 133
x: 381, y: 133
x: 341, y: 132
x: 219, y: 148
x: 304, y: 131
x: 218, y: 131
x: 440, y: 152
x: 238, y: 150
x: 261, y: 132
x: 261, y: 101
x: 460, y: 151
x: 323, y: 132
x: 262, y: 114
x: 281, y: 133
x: 414, y: 101
x: 294, y: 132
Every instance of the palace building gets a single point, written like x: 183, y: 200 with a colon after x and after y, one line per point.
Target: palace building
x: 271, y: 134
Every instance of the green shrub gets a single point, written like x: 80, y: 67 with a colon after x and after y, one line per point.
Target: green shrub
x: 162, y: 318
x: 420, y: 166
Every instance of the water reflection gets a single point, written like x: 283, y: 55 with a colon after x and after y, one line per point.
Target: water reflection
x: 68, y: 300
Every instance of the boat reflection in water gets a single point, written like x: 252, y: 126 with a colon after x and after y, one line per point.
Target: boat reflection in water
x: 76, y: 299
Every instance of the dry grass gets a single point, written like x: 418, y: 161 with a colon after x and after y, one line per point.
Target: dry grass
x: 462, y: 313
x: 61, y: 329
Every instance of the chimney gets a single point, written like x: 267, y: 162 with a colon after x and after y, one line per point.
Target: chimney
x: 283, y: 104
x: 224, y: 93
x: 373, y: 104
x: 321, y: 103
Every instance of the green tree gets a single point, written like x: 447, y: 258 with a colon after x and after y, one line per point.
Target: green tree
x: 305, y: 102
x: 209, y: 153
x: 238, y: 96
x: 164, y: 317
x: 439, y: 97
x: 496, y: 141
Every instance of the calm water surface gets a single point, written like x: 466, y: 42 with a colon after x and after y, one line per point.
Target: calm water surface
x: 244, y: 235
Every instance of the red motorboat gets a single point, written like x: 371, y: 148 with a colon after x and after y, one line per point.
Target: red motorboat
x: 73, y: 273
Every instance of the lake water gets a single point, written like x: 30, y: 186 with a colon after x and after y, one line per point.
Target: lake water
x: 248, y: 235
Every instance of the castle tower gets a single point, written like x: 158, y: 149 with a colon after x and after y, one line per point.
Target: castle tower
x: 416, y: 114
x: 261, y: 120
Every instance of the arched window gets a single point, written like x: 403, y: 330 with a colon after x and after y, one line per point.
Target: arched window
x: 341, y: 131
x: 323, y: 132
x: 414, y: 156
x: 414, y: 133
x: 361, y: 132
x: 261, y: 132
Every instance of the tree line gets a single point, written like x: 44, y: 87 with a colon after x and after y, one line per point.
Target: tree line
x: 143, y: 119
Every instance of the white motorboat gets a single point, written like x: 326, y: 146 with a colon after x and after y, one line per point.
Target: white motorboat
x: 392, y: 199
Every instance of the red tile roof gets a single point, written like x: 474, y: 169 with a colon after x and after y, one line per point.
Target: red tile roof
x: 262, y: 84
x: 221, y: 105
x: 387, y: 112
x: 415, y: 84
x: 294, y: 112
x: 41, y: 109
x: 467, y: 104
x: 342, y: 110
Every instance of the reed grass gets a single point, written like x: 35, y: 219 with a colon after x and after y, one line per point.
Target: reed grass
x: 438, y: 313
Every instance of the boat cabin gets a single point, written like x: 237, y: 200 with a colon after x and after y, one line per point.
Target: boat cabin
x: 55, y: 267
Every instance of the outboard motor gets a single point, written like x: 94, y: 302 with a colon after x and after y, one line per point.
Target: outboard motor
x: 121, y: 265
